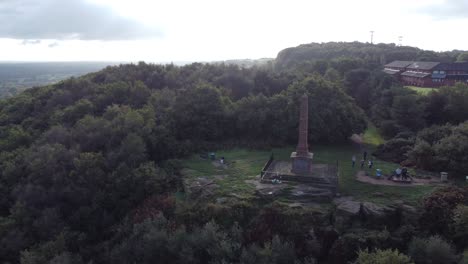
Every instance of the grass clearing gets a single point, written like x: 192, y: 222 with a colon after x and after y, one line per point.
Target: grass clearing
x: 243, y: 164
x: 246, y: 164
x: 421, y: 90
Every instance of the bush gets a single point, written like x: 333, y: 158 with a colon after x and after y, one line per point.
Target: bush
x: 388, y: 256
x: 394, y: 150
x: 434, y: 250
x: 389, y: 128
x: 460, y: 225
x: 438, y: 209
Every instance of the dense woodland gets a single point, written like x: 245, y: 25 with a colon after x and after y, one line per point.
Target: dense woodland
x: 89, y: 167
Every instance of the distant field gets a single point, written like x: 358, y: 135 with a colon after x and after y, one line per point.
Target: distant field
x: 16, y: 77
x: 421, y: 90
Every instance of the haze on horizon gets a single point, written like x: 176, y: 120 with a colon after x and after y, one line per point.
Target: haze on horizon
x: 207, y: 30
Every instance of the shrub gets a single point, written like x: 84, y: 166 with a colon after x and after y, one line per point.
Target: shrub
x: 434, y: 250
x: 388, y: 256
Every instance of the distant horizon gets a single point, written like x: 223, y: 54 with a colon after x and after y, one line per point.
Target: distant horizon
x: 184, y: 62
x: 157, y: 62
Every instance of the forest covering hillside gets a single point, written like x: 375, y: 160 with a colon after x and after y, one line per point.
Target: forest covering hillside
x: 90, y: 166
x: 378, y: 54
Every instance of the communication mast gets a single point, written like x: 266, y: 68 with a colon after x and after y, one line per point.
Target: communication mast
x: 400, y: 41
x: 371, y: 37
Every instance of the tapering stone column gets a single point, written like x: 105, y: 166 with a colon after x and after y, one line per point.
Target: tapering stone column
x: 302, y: 158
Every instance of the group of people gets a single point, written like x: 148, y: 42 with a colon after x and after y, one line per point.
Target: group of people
x: 370, y: 162
x: 401, y: 173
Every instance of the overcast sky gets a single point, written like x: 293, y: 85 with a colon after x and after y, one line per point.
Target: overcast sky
x: 206, y: 30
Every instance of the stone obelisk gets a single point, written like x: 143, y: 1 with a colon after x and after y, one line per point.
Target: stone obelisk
x: 302, y: 158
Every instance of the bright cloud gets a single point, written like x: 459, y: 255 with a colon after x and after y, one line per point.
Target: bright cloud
x: 205, y: 30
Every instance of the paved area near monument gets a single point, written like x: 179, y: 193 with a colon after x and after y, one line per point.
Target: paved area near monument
x: 282, y: 167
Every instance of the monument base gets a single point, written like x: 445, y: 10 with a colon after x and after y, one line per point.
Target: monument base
x: 322, y: 176
x: 302, y: 164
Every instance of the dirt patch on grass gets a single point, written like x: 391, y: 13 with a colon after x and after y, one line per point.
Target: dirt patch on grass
x: 362, y: 177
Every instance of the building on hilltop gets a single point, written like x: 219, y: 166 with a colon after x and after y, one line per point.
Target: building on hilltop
x: 428, y: 74
x: 419, y: 73
x: 450, y: 73
x: 397, y: 67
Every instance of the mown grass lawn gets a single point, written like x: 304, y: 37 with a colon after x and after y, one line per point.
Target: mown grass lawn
x: 421, y: 90
x: 372, y: 136
x: 242, y: 165
x: 246, y: 164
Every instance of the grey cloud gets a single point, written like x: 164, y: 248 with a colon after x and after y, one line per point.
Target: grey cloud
x: 31, y: 42
x: 448, y: 9
x: 67, y: 19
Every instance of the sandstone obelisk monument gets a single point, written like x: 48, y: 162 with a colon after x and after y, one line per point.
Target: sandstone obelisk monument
x: 302, y: 158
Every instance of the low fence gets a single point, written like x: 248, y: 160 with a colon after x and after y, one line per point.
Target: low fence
x: 266, y: 166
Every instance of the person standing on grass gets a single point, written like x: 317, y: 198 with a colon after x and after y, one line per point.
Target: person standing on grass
x: 364, y: 155
x: 353, y: 159
x: 404, y: 173
x: 398, y: 172
x: 362, y: 164
x: 370, y: 163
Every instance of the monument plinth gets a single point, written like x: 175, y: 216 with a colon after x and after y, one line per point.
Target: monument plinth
x: 302, y: 158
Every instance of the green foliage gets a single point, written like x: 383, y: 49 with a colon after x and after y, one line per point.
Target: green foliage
x: 434, y: 250
x: 460, y: 218
x: 442, y: 148
x: 88, y: 165
x: 460, y: 224
x: 79, y: 156
x: 357, y: 83
x: 348, y: 245
x: 464, y: 259
x: 448, y: 105
x: 390, y: 128
x: 273, y: 118
x: 73, y: 113
x: 408, y: 112
x: 372, y: 54
x: 200, y: 114
x: 14, y: 137
x: 276, y: 251
x: 388, y: 256
x: 333, y: 119
x: 463, y: 57
x: 438, y: 209
x: 151, y: 241
x: 395, y: 150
